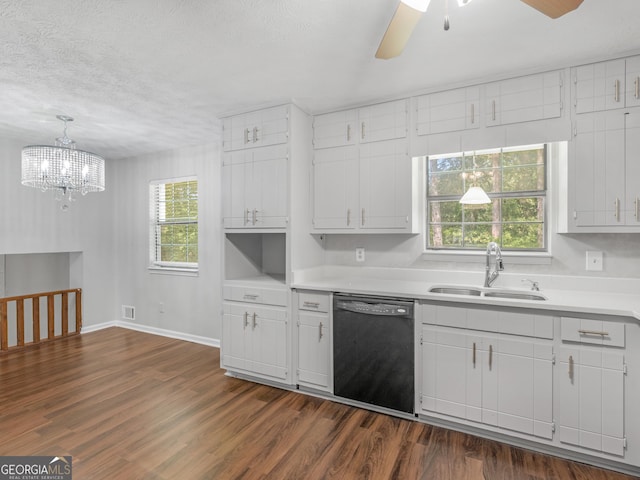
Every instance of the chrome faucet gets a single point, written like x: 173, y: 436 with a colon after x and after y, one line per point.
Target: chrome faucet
x: 489, y: 274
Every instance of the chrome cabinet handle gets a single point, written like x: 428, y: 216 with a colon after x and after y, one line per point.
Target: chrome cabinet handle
x: 473, y: 114
x: 362, y: 133
x: 246, y: 319
x: 320, y: 332
x: 253, y: 320
x: 571, y: 367
x: 255, y: 217
x: 349, y: 133
x: 616, y: 91
x: 363, y: 217
x: 635, y: 208
x: 593, y: 332
x: 493, y: 110
x: 474, y: 354
x: 348, y: 217
x: 255, y: 134
x: 246, y: 135
x: 616, y: 206
x: 490, y: 356
x: 636, y: 84
x: 246, y: 216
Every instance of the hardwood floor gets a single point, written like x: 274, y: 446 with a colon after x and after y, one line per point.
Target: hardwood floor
x: 128, y: 405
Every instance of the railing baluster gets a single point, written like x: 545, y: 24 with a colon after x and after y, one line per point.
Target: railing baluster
x: 35, y: 309
x: 78, y: 310
x: 50, y: 317
x: 65, y: 314
x: 20, y: 322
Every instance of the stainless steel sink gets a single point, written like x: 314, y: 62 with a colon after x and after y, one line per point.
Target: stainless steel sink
x: 457, y: 291
x: 515, y: 295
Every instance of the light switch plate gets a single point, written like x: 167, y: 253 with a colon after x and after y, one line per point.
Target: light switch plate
x: 359, y: 254
x: 594, y: 261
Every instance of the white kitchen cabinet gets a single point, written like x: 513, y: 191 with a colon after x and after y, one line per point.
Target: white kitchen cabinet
x: 255, y: 187
x: 524, y: 99
x: 255, y: 340
x: 383, y: 121
x: 497, y: 379
x: 336, y: 129
x: 335, y: 188
x: 370, y: 188
x: 590, y: 390
x: 606, y: 178
x: 449, y: 111
x: 313, y: 340
x: 261, y: 128
x: 607, y: 85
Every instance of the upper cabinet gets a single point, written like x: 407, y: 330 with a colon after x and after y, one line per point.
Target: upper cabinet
x: 256, y: 129
x: 524, y: 99
x: 363, y: 178
x: 607, y: 85
x: 448, y: 111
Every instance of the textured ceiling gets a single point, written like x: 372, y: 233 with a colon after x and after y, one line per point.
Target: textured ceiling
x: 146, y: 75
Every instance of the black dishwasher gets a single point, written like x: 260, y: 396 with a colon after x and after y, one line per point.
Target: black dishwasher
x: 373, y: 351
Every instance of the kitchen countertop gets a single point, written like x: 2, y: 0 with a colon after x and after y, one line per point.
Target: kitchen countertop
x: 571, y: 294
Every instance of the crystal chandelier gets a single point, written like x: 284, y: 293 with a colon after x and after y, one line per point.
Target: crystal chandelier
x: 62, y: 168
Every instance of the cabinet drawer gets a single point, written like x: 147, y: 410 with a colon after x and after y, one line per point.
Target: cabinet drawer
x: 248, y: 294
x: 316, y: 302
x: 596, y: 332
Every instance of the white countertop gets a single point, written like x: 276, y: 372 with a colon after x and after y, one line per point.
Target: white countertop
x: 593, y: 295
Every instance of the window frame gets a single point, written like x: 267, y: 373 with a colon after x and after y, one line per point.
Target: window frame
x: 544, y: 193
x: 156, y: 264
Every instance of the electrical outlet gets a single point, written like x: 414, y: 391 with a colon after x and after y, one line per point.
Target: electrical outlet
x: 360, y: 254
x: 594, y: 261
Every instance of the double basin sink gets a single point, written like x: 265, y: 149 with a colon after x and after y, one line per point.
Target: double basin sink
x: 486, y: 292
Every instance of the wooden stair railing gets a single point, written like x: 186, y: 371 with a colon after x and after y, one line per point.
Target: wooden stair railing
x: 35, y: 317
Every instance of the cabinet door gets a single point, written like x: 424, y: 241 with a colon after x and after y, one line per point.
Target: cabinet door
x: 256, y: 129
x: 385, y: 185
x: 234, y: 341
x: 517, y: 385
x: 335, y: 129
x: 268, y: 192
x: 524, y: 99
x: 632, y: 168
x: 313, y: 349
x: 384, y: 121
x: 586, y: 417
x: 599, y: 168
x: 451, y: 372
x: 236, y: 174
x: 268, y: 343
x: 599, y: 86
x: 448, y: 111
x: 335, y: 188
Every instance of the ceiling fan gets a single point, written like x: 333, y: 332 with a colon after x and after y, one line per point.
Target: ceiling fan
x: 409, y: 13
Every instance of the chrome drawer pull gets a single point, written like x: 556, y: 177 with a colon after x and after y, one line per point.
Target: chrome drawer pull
x: 250, y: 296
x: 311, y: 304
x: 593, y: 332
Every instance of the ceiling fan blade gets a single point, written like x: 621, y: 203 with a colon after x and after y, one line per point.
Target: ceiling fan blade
x: 554, y: 8
x: 398, y: 31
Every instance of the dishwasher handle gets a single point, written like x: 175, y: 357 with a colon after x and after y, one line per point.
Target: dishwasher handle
x: 380, y: 309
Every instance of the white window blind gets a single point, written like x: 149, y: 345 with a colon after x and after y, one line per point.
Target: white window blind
x: 174, y: 223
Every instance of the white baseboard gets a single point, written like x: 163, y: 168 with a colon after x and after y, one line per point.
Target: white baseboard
x: 211, y: 342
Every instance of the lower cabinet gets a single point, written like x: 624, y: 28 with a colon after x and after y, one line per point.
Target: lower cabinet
x: 494, y: 379
x: 255, y: 340
x: 313, y: 352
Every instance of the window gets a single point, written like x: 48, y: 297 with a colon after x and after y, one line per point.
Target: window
x: 174, y: 223
x: 515, y: 180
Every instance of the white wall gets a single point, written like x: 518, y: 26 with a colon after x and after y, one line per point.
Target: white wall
x: 191, y: 304
x: 32, y: 222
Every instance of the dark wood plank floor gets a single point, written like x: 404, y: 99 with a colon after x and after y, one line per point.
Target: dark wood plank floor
x: 128, y: 405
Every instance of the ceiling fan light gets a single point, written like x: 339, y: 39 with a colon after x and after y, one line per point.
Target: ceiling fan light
x: 475, y: 196
x: 462, y: 3
x: 420, y: 5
